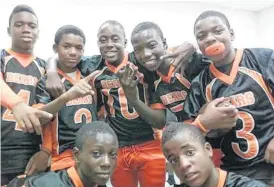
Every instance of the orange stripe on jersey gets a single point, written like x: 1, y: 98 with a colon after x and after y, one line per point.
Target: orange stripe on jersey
x: 55, y: 141
x: 63, y: 161
x: 47, y: 138
x: 23, y: 59
x: 209, y: 90
x: 183, y: 80
x: 167, y: 77
x: 72, y: 81
x: 120, y: 66
x: 222, y: 178
x: 256, y: 76
x: 228, y: 79
x: 75, y: 177
x: 177, y: 108
x: 157, y: 106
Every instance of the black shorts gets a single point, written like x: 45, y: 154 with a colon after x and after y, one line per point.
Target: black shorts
x: 263, y: 172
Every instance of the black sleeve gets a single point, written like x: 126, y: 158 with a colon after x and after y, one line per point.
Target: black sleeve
x: 235, y: 180
x: 195, y: 99
x: 42, y: 95
x: 269, y: 72
x: 2, y: 58
x: 264, y: 59
x: 196, y: 64
x: 89, y: 64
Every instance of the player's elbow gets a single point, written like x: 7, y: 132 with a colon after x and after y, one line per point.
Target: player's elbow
x: 159, y: 122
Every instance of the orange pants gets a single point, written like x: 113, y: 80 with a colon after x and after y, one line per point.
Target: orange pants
x: 62, y: 161
x: 143, y: 163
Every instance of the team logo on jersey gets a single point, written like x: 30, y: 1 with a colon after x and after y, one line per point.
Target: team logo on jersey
x: 21, y: 79
x: 243, y: 99
x: 80, y: 101
x: 173, y: 97
x: 108, y: 84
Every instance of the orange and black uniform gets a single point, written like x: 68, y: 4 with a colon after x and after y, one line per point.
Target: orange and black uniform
x: 63, y: 178
x: 21, y: 72
x: 140, y: 157
x: 67, y: 122
x: 230, y: 179
x: 172, y: 89
x: 249, y: 86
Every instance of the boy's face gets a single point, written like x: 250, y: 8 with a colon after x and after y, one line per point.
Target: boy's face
x: 148, y: 48
x: 213, y: 30
x: 112, y: 43
x: 190, y: 159
x: 97, y: 160
x: 70, y: 49
x: 23, y: 30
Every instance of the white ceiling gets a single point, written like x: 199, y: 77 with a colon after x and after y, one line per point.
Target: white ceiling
x: 244, y: 5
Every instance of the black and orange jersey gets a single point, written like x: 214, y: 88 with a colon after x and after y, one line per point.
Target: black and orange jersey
x: 130, y: 128
x: 249, y: 86
x: 172, y: 89
x: 70, y: 117
x: 21, y: 73
x: 62, y: 178
x: 230, y: 179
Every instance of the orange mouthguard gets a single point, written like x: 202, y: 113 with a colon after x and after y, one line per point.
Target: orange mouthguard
x: 215, y: 49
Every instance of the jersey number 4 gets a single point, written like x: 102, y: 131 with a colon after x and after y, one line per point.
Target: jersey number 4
x: 8, y: 116
x: 245, y: 133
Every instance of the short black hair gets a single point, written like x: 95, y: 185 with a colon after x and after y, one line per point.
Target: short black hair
x: 145, y: 26
x: 174, y: 128
x: 21, y: 8
x: 116, y: 23
x: 91, y: 130
x: 68, y: 29
x: 212, y: 13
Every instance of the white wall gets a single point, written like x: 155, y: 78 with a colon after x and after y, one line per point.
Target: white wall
x: 175, y: 18
x: 266, y: 27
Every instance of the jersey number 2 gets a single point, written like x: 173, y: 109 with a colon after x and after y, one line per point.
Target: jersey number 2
x: 8, y: 116
x: 79, y: 115
x: 245, y: 133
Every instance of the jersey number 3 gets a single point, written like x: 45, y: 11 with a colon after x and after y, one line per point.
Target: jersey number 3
x: 252, y: 149
x: 8, y: 116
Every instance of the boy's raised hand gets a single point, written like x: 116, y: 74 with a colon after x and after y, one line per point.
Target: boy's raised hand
x: 81, y: 88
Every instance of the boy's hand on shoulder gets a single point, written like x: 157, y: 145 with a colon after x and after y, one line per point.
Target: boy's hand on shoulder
x: 54, y: 84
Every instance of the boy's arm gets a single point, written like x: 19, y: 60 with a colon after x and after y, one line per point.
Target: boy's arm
x: 208, y: 115
x: 181, y: 54
x: 80, y: 89
x: 26, y: 116
x: 40, y: 161
x: 53, y: 82
x: 154, y: 117
x: 268, y: 69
